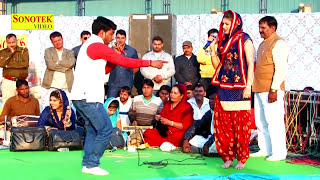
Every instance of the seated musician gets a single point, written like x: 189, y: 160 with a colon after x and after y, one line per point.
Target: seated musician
x: 20, y: 104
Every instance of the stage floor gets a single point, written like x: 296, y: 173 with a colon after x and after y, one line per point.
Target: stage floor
x: 44, y: 165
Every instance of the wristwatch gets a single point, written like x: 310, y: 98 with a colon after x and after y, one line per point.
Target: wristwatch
x: 274, y: 90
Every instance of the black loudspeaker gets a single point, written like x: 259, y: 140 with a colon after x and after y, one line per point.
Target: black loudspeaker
x: 143, y: 27
x: 140, y: 32
x: 164, y: 25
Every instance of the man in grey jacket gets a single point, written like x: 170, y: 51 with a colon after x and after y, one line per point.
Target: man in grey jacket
x: 59, y: 61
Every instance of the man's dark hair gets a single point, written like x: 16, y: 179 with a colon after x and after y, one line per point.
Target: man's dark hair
x: 190, y: 87
x: 55, y: 34
x: 84, y: 33
x: 126, y: 88
x: 165, y: 87
x: 10, y: 36
x: 270, y: 20
x: 148, y: 82
x: 157, y: 38
x: 211, y: 31
x: 121, y: 32
x: 20, y: 82
x: 102, y: 23
x: 199, y: 86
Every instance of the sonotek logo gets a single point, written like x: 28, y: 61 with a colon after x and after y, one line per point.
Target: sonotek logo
x: 31, y: 21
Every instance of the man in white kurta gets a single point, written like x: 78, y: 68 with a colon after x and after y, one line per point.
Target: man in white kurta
x: 199, y: 103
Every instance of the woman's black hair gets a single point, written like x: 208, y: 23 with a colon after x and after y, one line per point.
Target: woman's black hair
x: 114, y: 104
x: 55, y: 94
x: 228, y: 15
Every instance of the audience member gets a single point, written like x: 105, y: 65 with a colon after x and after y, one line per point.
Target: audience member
x: 145, y: 106
x: 206, y: 68
x: 200, y: 136
x: 112, y: 107
x: 125, y: 105
x: 158, y: 76
x: 187, y: 66
x: 121, y: 76
x: 199, y: 103
x: 84, y: 36
x: 58, y: 115
x: 22, y: 103
x: 190, y: 93
x: 176, y: 115
x: 164, y: 94
x: 59, y: 61
x: 15, y: 62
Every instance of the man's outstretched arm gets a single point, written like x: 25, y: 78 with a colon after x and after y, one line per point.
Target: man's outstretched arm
x: 101, y: 51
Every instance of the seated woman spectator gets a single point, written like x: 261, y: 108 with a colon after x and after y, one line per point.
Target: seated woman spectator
x: 59, y: 114
x: 177, y: 116
x: 112, y: 106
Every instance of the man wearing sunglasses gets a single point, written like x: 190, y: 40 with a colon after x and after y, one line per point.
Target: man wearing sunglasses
x: 84, y: 36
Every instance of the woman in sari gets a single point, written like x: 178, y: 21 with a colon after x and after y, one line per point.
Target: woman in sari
x: 176, y: 116
x: 58, y: 115
x: 234, y: 62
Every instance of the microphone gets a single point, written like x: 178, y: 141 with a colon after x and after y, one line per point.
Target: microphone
x: 114, y: 44
x: 209, y: 42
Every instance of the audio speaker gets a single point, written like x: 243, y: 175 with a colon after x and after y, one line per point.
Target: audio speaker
x: 164, y: 25
x: 140, y: 32
x: 143, y: 27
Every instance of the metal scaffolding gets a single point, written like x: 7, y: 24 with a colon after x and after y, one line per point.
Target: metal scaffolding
x: 263, y: 6
x: 3, y: 7
x: 81, y: 7
x: 166, y: 7
x: 224, y: 5
x: 148, y: 7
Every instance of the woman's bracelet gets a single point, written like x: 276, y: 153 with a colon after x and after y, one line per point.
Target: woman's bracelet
x: 171, y: 123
